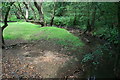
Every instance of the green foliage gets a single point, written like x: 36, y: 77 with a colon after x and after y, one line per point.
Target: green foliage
x: 111, y: 34
x: 93, y: 57
x: 71, y: 14
x: 63, y: 21
x: 47, y: 19
x: 13, y: 18
x: 5, y: 5
x: 60, y: 36
x: 101, y: 53
x: 75, y: 15
x: 18, y: 30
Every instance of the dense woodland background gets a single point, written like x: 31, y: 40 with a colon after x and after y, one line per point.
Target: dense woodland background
x: 96, y: 19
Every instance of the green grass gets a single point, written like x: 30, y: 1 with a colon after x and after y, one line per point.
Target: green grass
x: 20, y: 30
x: 29, y: 31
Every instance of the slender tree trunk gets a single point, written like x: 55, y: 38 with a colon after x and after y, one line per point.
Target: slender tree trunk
x: 26, y: 14
x: 5, y: 22
x: 17, y: 15
x: 27, y: 10
x: 53, y: 15
x: 3, y: 42
x: 91, y: 23
x: 74, y: 22
x: 20, y: 9
x: 119, y: 23
x: 88, y: 20
x: 52, y: 20
x: 33, y: 12
x: 93, y: 17
x: 39, y: 8
x: 88, y: 25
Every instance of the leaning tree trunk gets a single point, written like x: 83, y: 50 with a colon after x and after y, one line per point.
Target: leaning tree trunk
x: 52, y: 20
x: 5, y: 22
x: 20, y: 9
x: 17, y: 15
x: 38, y: 5
x: 33, y: 12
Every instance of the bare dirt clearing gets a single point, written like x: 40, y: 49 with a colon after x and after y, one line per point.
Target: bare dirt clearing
x: 37, y: 60
x: 44, y: 59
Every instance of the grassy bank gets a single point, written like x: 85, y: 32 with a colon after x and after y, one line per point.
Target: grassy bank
x: 29, y: 31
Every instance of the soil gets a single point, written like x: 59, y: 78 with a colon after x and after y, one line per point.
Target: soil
x: 44, y: 59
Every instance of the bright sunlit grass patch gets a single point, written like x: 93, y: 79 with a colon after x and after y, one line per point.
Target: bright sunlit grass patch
x: 20, y: 30
x: 60, y: 36
x: 29, y: 31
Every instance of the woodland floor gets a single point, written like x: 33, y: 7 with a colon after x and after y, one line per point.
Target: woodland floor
x: 44, y: 59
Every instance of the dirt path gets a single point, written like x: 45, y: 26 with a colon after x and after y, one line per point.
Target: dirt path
x: 44, y: 59
x: 37, y: 60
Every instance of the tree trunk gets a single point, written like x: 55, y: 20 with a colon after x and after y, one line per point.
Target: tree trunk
x: 88, y: 20
x: 119, y: 23
x: 53, y: 15
x: 89, y: 29
x: 17, y: 15
x: 26, y: 14
x: 27, y: 10
x: 117, y: 61
x: 74, y: 22
x: 39, y: 8
x: 52, y: 20
x: 5, y: 22
x: 20, y: 9
x: 33, y: 12
x: 93, y: 17
x: 91, y: 23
